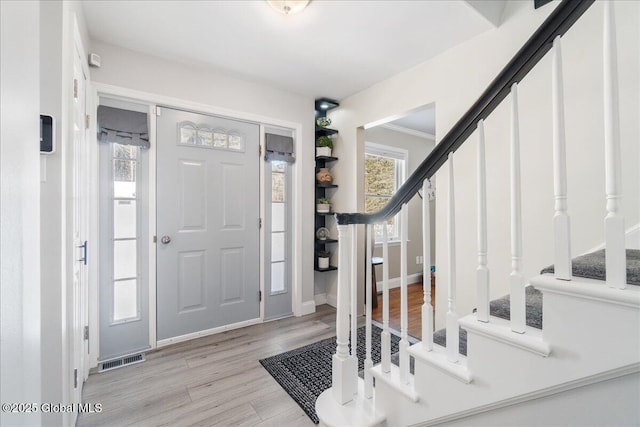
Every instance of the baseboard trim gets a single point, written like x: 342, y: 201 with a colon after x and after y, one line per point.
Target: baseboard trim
x: 174, y: 340
x: 308, y: 307
x: 549, y: 391
x: 395, y: 282
x: 332, y: 300
x: 632, y: 239
x: 320, y: 299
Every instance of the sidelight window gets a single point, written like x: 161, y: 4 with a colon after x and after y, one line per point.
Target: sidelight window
x: 279, y: 231
x: 125, y: 239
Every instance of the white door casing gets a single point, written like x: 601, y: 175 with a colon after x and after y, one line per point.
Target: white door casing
x: 298, y: 230
x: 80, y: 228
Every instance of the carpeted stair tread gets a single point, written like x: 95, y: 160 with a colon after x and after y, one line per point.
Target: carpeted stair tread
x: 500, y: 308
x: 592, y: 266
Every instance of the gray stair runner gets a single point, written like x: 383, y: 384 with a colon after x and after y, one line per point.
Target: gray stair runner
x: 591, y: 266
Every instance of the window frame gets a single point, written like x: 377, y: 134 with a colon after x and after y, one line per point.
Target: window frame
x: 401, y: 172
x: 110, y: 158
x: 286, y: 230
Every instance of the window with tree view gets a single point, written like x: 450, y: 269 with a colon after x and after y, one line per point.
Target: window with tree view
x: 384, y: 173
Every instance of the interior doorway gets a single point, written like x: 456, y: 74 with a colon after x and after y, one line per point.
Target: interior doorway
x: 393, y: 150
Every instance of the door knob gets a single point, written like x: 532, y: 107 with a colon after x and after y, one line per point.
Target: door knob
x: 165, y: 240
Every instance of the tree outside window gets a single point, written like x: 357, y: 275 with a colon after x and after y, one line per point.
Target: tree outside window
x: 384, y: 173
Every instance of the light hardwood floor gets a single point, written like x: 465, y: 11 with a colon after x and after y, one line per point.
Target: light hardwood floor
x: 415, y: 299
x: 215, y: 380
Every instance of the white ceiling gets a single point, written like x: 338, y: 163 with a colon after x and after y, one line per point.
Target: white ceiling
x: 423, y: 121
x: 332, y: 49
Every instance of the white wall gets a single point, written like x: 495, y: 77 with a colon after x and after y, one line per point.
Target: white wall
x: 19, y: 210
x: 453, y: 80
x: 57, y: 20
x: 53, y: 212
x: 418, y: 148
x: 128, y: 69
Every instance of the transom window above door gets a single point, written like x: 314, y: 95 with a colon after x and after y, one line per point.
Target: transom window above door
x: 191, y: 134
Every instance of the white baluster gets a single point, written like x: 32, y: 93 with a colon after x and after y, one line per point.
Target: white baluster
x: 354, y: 293
x: 482, y: 272
x: 368, y: 363
x: 561, y: 222
x: 427, y: 308
x: 404, y: 309
x: 385, y: 337
x: 344, y: 366
x: 453, y: 339
x: 614, y: 222
x: 518, y: 319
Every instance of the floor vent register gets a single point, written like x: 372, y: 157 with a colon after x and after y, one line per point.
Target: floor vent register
x: 121, y: 362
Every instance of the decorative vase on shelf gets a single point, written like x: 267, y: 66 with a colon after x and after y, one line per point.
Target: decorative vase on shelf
x: 323, y: 121
x: 324, y: 145
x: 323, y: 151
x: 323, y: 176
x: 323, y: 261
x: 323, y: 207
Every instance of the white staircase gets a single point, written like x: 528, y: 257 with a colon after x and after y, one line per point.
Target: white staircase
x: 582, y: 368
x: 576, y: 349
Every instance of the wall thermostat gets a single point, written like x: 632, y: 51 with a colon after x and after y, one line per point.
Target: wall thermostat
x: 47, y: 134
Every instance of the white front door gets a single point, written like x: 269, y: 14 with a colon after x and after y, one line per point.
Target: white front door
x: 207, y: 222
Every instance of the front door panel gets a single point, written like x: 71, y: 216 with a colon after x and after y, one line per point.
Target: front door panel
x: 208, y: 210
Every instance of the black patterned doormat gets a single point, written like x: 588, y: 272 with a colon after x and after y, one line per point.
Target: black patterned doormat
x: 305, y: 372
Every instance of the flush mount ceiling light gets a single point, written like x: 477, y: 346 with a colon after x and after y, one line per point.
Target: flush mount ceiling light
x: 288, y: 7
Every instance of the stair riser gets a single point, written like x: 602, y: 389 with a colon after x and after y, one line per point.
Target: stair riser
x: 605, y: 334
x: 603, y: 344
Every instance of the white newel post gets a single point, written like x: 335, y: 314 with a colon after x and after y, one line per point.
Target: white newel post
x: 482, y: 272
x: 404, y: 308
x: 561, y: 224
x: 427, y: 308
x: 344, y: 367
x: 517, y: 303
x: 385, y: 337
x: 368, y: 362
x: 453, y: 340
x: 614, y: 221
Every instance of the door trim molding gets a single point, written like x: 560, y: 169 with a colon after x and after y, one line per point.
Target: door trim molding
x: 262, y: 211
x: 151, y: 197
x: 152, y: 100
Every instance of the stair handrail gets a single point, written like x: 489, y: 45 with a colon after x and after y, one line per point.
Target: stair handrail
x: 556, y: 24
